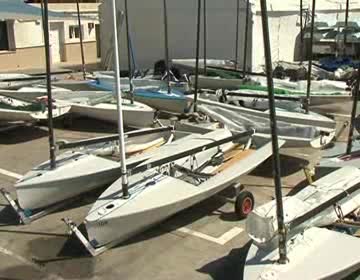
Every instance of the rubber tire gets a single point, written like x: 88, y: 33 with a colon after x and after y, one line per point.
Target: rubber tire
x: 239, y: 202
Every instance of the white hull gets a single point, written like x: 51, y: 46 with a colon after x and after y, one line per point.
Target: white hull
x: 215, y: 83
x: 79, y: 172
x: 295, y: 142
x: 76, y: 173
x: 336, y: 157
x: 135, y: 115
x: 261, y: 224
x: 295, y: 131
x: 314, y: 254
x: 16, y: 115
x: 312, y: 119
x: 168, y: 105
x: 155, y: 197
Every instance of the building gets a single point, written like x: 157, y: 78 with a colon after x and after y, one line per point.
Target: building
x: 21, y: 34
x: 147, y: 29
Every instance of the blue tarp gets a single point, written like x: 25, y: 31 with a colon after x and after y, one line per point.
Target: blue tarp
x: 333, y: 63
x: 17, y: 9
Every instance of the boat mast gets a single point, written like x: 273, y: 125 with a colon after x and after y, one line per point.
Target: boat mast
x: 353, y: 113
x: 246, y: 36
x: 307, y: 105
x: 81, y: 40
x: 205, y: 39
x: 346, y: 24
x: 124, y: 176
x: 197, y: 56
x: 274, y: 137
x: 129, y: 52
x: 301, y: 31
x: 237, y: 34
x: 48, y: 83
x: 166, y: 48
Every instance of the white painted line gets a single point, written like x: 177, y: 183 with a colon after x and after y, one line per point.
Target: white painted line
x: 50, y: 276
x: 10, y: 174
x: 340, y: 115
x: 19, y: 258
x: 222, y: 240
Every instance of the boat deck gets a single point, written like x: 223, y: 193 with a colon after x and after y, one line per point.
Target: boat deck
x: 203, y: 242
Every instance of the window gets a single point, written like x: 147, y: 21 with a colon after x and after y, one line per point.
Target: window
x: 4, y: 40
x: 74, y: 31
x: 91, y: 26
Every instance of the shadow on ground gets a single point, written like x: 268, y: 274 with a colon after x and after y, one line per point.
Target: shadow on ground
x: 181, y: 219
x: 8, y: 216
x: 21, y: 134
x: 57, y: 254
x: 18, y: 272
x: 228, y: 267
x: 292, y: 164
x: 83, y: 124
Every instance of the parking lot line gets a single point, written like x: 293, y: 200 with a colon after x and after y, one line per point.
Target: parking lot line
x: 10, y: 174
x: 222, y: 240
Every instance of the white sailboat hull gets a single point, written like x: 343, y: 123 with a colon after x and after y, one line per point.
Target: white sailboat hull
x: 27, y: 116
x: 136, y: 115
x: 79, y: 172
x: 316, y: 253
x: 216, y: 83
x: 76, y: 173
x: 156, y: 197
x: 261, y: 224
x: 336, y: 158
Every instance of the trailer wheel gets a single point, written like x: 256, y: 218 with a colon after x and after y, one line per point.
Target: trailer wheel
x: 244, y: 204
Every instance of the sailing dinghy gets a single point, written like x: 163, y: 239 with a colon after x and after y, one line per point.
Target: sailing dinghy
x: 161, y: 192
x: 320, y: 204
x: 316, y: 253
x: 296, y: 129
x: 98, y: 105
x: 78, y: 172
x: 156, y: 97
x: 22, y: 108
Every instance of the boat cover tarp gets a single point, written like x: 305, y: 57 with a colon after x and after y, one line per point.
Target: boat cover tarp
x: 244, y: 122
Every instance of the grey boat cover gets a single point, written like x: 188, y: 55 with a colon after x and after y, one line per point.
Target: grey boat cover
x: 244, y: 122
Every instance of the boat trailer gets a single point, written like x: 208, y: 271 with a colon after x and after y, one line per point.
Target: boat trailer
x: 26, y: 216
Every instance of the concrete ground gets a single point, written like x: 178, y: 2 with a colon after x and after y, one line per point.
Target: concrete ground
x: 203, y: 242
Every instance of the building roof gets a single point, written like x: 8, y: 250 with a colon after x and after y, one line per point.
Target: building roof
x: 17, y: 9
x: 294, y: 5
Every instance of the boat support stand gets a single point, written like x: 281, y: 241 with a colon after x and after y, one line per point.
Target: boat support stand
x: 73, y: 228
x: 26, y: 218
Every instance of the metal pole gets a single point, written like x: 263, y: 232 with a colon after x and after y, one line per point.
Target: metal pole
x: 49, y: 93
x: 42, y: 11
x: 197, y: 56
x: 205, y: 39
x: 310, y: 59
x: 246, y: 36
x: 237, y: 34
x: 166, y: 48
x: 346, y: 25
x: 81, y: 40
x: 124, y: 178
x: 301, y: 31
x: 274, y: 137
x: 353, y: 113
x: 129, y: 52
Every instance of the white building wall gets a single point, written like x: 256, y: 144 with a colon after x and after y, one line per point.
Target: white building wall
x: 28, y: 34
x: 284, y: 33
x: 87, y: 36
x: 147, y: 30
